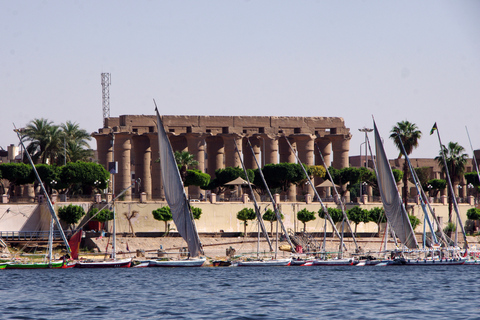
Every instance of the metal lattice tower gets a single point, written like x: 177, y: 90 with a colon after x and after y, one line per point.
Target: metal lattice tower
x: 106, y: 97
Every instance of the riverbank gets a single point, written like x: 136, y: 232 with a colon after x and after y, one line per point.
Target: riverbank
x: 216, y: 248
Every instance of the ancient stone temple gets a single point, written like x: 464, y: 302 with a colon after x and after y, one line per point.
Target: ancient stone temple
x: 131, y: 140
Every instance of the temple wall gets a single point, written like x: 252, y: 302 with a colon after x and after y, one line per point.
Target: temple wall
x: 211, y: 139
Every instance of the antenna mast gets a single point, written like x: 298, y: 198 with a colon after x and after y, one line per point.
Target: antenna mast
x: 106, y: 97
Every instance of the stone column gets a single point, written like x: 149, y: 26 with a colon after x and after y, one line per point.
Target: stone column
x: 196, y: 146
x: 248, y: 156
x: 157, y: 185
x: 325, y: 147
x: 286, y: 155
x: 123, y: 178
x: 215, y: 154
x: 143, y: 158
x: 271, y: 152
x: 341, y: 147
x: 305, y: 147
x: 104, y: 149
x: 231, y: 155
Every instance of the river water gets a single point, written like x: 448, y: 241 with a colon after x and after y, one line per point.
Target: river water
x: 395, y: 292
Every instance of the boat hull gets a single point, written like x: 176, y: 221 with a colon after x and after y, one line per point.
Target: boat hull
x: 124, y: 263
x: 221, y: 263
x: 301, y: 263
x: 334, y: 262
x: 424, y: 262
x: 265, y: 263
x: 46, y: 265
x: 176, y: 263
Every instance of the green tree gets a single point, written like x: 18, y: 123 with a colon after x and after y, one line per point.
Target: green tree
x: 335, y: 213
x: 196, y: 212
x: 17, y: 174
x: 75, y: 146
x: 82, y: 177
x: 244, y: 215
x: 317, y: 171
x: 42, y: 138
x: 414, y: 221
x: 102, y: 216
x: 397, y: 175
x: 377, y: 215
x: 163, y: 214
x: 408, y: 134
x: 71, y: 214
x: 436, y: 186
x: 280, y: 176
x: 456, y: 161
x: 197, y: 178
x: 473, y: 214
x: 472, y: 177
x: 305, y: 216
x: 357, y: 215
x: 49, y: 176
x: 185, y: 160
x: 270, y: 216
x: 423, y: 174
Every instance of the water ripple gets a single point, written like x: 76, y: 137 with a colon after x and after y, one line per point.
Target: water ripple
x: 242, y: 293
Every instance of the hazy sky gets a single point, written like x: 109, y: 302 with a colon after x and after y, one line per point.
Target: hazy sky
x: 396, y: 60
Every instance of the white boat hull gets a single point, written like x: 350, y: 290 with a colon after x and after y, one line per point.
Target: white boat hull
x: 334, y: 262
x: 123, y: 263
x: 265, y: 263
x: 176, y: 263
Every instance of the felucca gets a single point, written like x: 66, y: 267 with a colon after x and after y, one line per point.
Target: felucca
x: 179, y: 205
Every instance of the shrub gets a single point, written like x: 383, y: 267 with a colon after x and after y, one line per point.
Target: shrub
x: 71, y: 214
x: 102, y: 216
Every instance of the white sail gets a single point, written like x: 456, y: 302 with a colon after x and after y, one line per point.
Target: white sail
x: 394, y: 209
x: 175, y: 193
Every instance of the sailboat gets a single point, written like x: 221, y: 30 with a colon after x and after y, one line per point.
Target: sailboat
x: 338, y: 261
x: 49, y: 262
x: 398, y: 218
x: 179, y: 205
x: 274, y: 262
x: 113, y: 262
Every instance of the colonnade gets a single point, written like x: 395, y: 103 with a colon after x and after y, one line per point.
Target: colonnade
x: 137, y: 153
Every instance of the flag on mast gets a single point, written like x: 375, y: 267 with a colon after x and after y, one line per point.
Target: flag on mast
x: 433, y: 128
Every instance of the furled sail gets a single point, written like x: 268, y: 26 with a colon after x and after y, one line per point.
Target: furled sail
x: 175, y: 193
x: 394, y: 209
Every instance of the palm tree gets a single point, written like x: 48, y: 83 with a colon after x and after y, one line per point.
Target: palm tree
x: 75, y: 143
x: 456, y: 160
x: 409, y: 134
x: 185, y: 160
x: 44, y: 138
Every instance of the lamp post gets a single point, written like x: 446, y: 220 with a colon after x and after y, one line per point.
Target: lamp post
x: 96, y: 183
x: 430, y: 187
x: 459, y: 187
x: 366, y: 130
x: 470, y: 187
x: 53, y: 183
x: 363, y: 143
